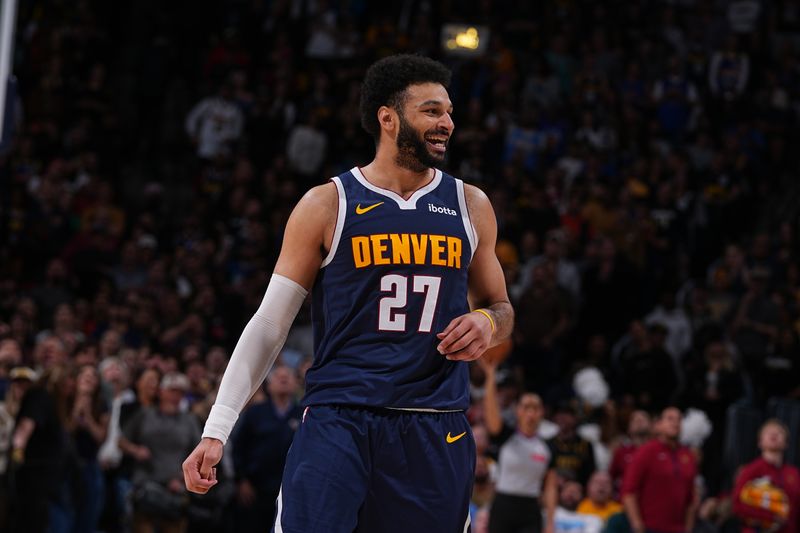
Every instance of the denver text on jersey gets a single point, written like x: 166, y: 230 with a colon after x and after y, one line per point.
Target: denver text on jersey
x: 406, y: 249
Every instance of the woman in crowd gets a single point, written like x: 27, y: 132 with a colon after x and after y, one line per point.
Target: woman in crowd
x: 88, y: 427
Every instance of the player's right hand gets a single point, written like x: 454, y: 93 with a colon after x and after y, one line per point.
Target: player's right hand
x: 199, y: 472
x: 466, y: 337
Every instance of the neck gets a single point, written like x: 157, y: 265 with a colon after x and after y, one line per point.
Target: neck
x: 672, y: 442
x: 384, y: 172
x: 168, y: 408
x: 281, y: 401
x: 774, y: 458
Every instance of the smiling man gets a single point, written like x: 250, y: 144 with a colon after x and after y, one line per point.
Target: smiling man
x: 393, y: 253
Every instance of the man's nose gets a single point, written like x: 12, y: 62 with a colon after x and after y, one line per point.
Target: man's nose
x: 446, y: 122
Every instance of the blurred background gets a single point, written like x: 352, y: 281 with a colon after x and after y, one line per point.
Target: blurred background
x: 638, y: 155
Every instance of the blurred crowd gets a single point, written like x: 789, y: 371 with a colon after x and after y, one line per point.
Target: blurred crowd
x: 637, y: 154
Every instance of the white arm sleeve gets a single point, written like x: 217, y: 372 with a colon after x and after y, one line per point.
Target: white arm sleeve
x: 256, y: 351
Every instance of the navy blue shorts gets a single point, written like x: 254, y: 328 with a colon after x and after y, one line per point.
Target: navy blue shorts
x: 362, y: 470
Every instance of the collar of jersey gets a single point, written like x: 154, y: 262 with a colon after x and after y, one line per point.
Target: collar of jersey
x: 411, y: 203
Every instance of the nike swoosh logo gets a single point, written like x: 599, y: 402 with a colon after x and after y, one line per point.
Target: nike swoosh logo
x: 451, y: 439
x: 361, y: 210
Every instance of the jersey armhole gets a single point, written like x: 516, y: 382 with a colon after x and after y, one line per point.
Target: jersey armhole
x: 340, y: 215
x: 472, y: 235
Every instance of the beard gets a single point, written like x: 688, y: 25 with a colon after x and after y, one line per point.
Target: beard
x: 412, y: 150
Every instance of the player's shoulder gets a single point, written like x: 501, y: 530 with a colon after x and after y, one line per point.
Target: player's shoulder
x: 480, y: 210
x: 315, y: 213
x: 322, y: 197
x: 475, y: 194
x: 325, y: 193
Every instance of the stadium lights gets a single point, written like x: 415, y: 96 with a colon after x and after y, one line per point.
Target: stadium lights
x: 464, y: 40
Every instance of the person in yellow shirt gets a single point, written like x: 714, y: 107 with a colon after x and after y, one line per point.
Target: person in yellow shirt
x: 598, y: 500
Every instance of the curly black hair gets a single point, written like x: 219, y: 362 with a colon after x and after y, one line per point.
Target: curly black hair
x: 386, y: 81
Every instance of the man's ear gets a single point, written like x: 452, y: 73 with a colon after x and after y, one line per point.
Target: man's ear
x: 388, y: 120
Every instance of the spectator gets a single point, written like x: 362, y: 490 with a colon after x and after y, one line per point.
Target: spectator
x: 782, y: 369
x: 732, y: 263
x: 598, y: 501
x: 483, y: 487
x: 146, y: 394
x: 638, y: 433
x: 721, y: 300
x: 542, y: 320
x: 10, y: 357
x: 110, y: 344
x: 131, y: 272
x: 214, y: 124
x: 115, y: 379
x: 609, y: 286
x: 712, y: 386
x: 567, y: 275
x: 767, y: 491
x: 216, y: 361
x: 260, y: 442
x: 55, y: 289
x: 567, y: 518
x: 50, y: 352
x: 158, y: 438
x: 647, y: 370
x: 88, y: 426
x: 572, y: 455
x: 305, y: 147
x: 676, y: 99
x: 146, y: 391
x: 676, y: 321
x: 199, y: 385
x: 658, y: 491
x: 64, y: 328
x: 755, y: 327
x: 728, y: 72
x: 37, y: 453
x: 485, y: 472
x: 597, y: 136
x: 8, y: 410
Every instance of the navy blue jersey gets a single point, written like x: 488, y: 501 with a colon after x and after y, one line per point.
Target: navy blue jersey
x: 396, y: 275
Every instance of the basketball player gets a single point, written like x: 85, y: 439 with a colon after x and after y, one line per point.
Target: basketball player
x: 390, y: 253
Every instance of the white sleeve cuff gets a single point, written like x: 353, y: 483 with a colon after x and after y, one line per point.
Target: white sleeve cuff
x: 220, y: 422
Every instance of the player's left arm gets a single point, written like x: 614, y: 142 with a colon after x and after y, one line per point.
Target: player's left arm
x: 492, y: 318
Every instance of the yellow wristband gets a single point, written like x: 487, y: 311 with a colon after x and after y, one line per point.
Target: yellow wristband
x: 487, y: 315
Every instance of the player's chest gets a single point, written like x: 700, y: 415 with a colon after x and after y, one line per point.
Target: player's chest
x: 408, y: 237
